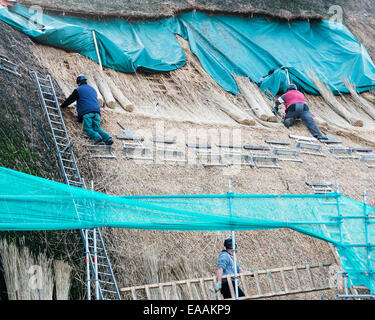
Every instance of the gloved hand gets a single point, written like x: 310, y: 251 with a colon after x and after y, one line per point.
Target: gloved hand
x: 218, y: 286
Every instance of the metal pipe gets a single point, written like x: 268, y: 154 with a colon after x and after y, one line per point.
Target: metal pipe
x: 96, y: 278
x: 88, y: 279
x: 368, y: 249
x: 233, y: 243
x: 359, y: 296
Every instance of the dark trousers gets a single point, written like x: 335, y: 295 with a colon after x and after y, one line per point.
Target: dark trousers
x: 225, y: 291
x: 301, y: 111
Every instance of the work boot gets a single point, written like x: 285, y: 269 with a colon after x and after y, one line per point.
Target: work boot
x: 322, y: 139
x: 98, y: 140
x: 109, y: 142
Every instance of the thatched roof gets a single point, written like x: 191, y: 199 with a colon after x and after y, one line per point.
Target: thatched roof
x: 156, y: 9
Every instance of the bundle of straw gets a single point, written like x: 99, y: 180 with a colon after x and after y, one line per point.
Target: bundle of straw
x: 104, y: 89
x: 361, y: 102
x: 255, y: 100
x: 100, y: 97
x: 328, y: 96
x: 62, y: 279
x: 120, y: 97
x: 9, y: 258
x: 230, y: 109
x: 369, y: 97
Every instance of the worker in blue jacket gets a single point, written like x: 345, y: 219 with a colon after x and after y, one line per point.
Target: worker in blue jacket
x: 88, y: 110
x: 225, y: 266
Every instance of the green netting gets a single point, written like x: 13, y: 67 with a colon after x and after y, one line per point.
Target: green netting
x: 32, y: 203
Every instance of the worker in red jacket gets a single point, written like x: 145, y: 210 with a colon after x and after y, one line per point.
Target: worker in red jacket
x: 296, y: 108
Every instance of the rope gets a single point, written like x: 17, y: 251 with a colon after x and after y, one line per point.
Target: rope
x: 29, y: 107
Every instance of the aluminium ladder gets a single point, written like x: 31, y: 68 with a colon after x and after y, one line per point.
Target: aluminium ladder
x: 96, y: 254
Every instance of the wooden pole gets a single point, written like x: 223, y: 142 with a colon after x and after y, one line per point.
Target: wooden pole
x: 97, y: 50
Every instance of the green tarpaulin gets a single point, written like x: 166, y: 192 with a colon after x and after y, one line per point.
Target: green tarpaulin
x: 225, y: 45
x: 34, y: 203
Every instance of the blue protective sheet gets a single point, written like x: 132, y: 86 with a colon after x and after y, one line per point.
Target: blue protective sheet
x: 225, y: 45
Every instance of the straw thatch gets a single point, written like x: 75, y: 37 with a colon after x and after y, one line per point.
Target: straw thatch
x: 158, y: 9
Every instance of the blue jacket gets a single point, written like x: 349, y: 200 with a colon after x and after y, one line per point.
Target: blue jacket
x: 226, y: 262
x: 87, y: 100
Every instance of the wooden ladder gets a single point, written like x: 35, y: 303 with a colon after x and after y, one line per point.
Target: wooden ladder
x: 255, y: 284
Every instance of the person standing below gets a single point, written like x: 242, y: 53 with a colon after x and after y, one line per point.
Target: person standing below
x: 225, y: 265
x: 88, y: 110
x: 296, y: 108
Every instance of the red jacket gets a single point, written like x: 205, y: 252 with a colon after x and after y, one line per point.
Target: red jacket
x: 292, y: 97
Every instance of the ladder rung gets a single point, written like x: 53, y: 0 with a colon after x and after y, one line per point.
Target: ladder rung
x: 97, y: 248
x: 56, y: 122
x: 109, y: 291
x: 41, y: 78
x: 60, y: 137
x: 63, y: 145
x: 51, y: 107
x: 49, y: 100
x: 43, y: 85
x: 70, y: 168
x: 75, y: 182
x: 102, y: 265
x: 102, y: 281
x: 54, y: 115
x: 67, y: 160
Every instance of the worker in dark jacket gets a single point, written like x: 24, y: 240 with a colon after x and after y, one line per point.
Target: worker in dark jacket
x: 88, y: 110
x: 296, y: 107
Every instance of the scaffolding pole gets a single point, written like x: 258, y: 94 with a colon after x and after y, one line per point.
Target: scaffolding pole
x: 369, y: 247
x: 96, y: 278
x: 234, y: 249
x: 88, y: 279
